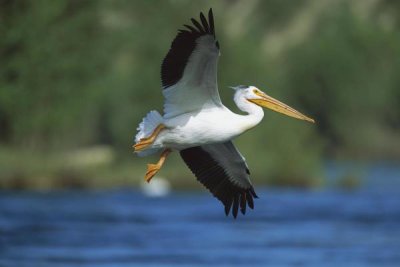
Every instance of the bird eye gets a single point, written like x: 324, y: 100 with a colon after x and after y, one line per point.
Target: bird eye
x: 255, y: 91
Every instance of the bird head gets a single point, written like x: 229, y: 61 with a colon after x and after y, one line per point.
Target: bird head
x: 258, y: 97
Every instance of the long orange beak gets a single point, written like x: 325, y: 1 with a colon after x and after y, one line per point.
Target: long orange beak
x: 276, y: 105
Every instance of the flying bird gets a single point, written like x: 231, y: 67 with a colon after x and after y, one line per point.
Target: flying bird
x: 196, y: 123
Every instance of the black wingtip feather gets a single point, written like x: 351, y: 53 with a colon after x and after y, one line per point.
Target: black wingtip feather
x: 204, y: 22
x: 228, y: 207
x: 250, y: 201
x: 235, y: 207
x: 211, y: 21
x: 253, y: 193
x: 193, y: 30
x: 243, y: 203
x: 198, y: 26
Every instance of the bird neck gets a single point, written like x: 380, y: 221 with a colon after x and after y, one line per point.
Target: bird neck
x: 254, y: 113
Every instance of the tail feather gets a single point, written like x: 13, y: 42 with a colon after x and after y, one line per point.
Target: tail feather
x: 146, y: 128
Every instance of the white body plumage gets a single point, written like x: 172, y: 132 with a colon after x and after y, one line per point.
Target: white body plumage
x: 206, y: 126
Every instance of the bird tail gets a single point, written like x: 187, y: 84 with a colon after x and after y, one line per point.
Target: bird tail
x: 146, y: 128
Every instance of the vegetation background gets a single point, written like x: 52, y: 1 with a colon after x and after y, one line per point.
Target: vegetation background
x: 77, y: 76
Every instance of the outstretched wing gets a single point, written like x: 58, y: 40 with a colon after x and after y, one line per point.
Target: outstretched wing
x: 189, y: 71
x: 223, y: 170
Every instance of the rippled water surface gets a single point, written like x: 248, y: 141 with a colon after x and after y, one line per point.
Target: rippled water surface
x: 126, y: 228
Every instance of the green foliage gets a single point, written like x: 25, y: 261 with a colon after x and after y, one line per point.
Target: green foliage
x: 347, y: 72
x: 81, y: 73
x: 54, y: 56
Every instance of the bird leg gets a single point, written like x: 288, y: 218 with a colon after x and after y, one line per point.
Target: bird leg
x: 152, y: 169
x: 145, y: 142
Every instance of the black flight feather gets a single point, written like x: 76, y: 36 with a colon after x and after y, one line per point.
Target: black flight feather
x: 198, y: 26
x: 250, y: 201
x: 174, y: 63
x: 229, y: 190
x: 243, y: 203
x: 228, y: 207
x: 193, y: 30
x: 204, y: 22
x: 235, y: 207
x: 211, y: 21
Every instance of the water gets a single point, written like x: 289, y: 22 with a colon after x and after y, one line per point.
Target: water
x: 126, y: 228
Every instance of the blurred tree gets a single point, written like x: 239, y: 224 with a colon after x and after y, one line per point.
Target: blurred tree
x: 53, y: 53
x: 346, y: 71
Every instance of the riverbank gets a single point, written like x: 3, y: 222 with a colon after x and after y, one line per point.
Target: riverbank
x: 101, y: 167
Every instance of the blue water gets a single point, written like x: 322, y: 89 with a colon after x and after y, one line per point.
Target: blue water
x: 126, y: 228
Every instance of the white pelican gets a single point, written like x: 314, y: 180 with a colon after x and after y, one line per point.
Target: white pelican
x: 197, y: 124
